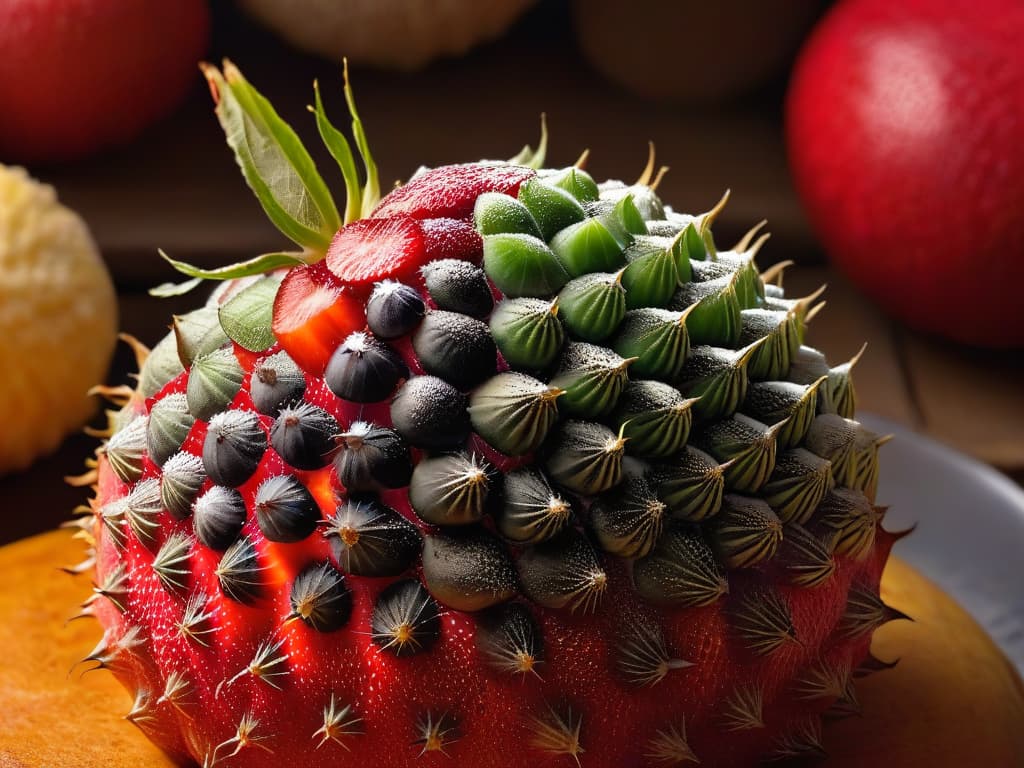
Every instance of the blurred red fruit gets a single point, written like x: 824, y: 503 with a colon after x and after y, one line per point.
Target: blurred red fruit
x: 906, y: 140
x: 80, y: 75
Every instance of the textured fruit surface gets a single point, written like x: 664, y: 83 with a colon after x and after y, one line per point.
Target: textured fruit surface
x: 65, y: 79
x: 905, y: 133
x: 58, y: 318
x: 947, y: 666
x: 571, y: 490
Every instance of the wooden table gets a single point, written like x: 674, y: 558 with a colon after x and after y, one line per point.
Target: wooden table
x: 178, y: 188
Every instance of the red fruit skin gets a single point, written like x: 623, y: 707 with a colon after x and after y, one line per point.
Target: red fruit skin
x: 451, y: 191
x: 369, y: 250
x: 493, y: 709
x: 452, y: 239
x: 313, y: 313
x: 80, y: 75
x: 905, y: 130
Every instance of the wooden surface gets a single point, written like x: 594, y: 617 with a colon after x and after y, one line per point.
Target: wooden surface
x: 178, y: 188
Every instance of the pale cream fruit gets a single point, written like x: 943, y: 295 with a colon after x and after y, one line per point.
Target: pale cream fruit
x: 58, y: 319
x: 394, y: 34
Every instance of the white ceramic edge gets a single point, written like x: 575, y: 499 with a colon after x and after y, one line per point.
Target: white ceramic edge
x: 970, y: 528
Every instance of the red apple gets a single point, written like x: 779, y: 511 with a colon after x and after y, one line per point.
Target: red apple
x: 80, y: 75
x: 905, y: 128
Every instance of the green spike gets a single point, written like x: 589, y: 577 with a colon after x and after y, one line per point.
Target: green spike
x: 592, y: 377
x: 749, y: 287
x: 552, y: 207
x: 650, y: 277
x: 718, y: 377
x: 865, y: 473
x: 213, y: 382
x: 680, y: 571
x: 832, y: 437
x: 745, y: 532
x: 691, y: 485
x: 797, y: 485
x: 848, y: 521
x: 716, y: 318
x: 622, y: 219
x: 655, y: 418
x: 587, y: 247
x: 530, y: 157
x: 576, y: 182
x: 772, y: 360
x: 495, y: 213
x: 522, y: 265
x: 658, y: 339
x: 748, y: 446
x: 197, y: 333
x: 527, y: 332
x: 593, y: 305
x: 773, y: 401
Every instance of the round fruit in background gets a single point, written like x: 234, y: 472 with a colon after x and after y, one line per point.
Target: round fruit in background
x: 58, y: 319
x: 80, y: 75
x: 392, y: 34
x: 906, y: 141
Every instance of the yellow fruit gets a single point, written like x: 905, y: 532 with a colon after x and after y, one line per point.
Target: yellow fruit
x: 952, y: 702
x: 58, y: 319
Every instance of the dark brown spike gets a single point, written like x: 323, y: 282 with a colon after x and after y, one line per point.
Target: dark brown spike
x: 405, y: 620
x: 822, y: 680
x: 872, y: 664
x: 681, y: 570
x: 436, y: 732
x: 802, y: 741
x: 339, y: 722
x: 642, y: 658
x: 179, y: 692
x: 743, y: 709
x: 171, y: 562
x: 806, y: 559
x: 114, y: 587
x: 761, y: 620
x: 847, y: 705
x: 269, y: 663
x: 195, y: 620
x: 865, y: 612
x: 670, y: 747
x: 563, y: 573
x: 557, y: 732
x: 510, y: 639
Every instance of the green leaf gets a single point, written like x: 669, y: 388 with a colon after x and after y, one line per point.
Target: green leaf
x: 371, y: 192
x: 274, y: 162
x: 255, y: 266
x: 341, y: 151
x: 246, y: 316
x: 166, y: 290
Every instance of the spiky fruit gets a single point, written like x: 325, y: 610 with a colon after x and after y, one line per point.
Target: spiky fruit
x: 438, y: 538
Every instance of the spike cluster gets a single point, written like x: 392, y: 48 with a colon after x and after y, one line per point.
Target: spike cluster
x: 573, y: 446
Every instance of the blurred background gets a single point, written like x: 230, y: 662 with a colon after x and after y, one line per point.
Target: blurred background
x: 706, y: 82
